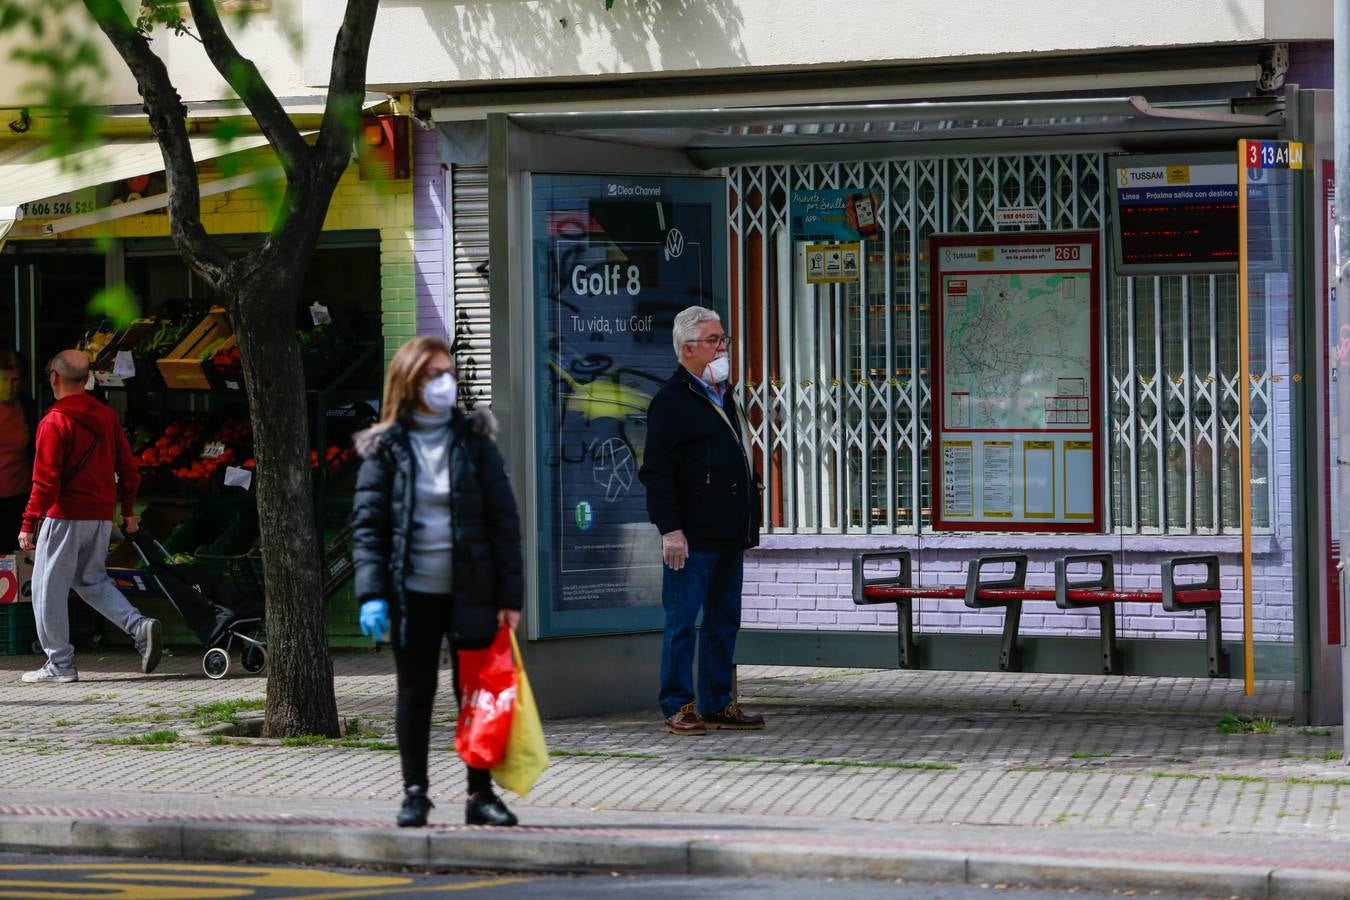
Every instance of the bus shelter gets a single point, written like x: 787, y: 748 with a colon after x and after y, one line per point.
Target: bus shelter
x: 1046, y: 327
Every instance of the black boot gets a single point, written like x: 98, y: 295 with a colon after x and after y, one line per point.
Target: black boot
x: 416, y: 805
x: 486, y: 808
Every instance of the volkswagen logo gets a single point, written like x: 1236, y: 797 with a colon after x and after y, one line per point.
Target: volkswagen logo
x: 674, y: 243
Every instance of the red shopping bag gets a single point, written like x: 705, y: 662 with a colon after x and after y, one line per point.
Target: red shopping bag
x: 487, y: 684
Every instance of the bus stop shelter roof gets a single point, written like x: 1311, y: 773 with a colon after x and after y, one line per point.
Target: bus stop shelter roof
x: 729, y: 136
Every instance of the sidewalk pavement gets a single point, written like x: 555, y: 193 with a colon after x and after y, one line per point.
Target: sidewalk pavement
x: 1047, y: 780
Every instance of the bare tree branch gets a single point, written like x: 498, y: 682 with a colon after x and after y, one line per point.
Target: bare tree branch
x: 307, y: 200
x: 244, y: 78
x: 346, y: 87
x: 168, y: 121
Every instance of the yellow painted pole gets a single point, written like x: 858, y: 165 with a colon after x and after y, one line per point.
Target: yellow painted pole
x: 1245, y: 427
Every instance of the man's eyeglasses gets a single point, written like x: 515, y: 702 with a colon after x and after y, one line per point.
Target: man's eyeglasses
x: 712, y: 340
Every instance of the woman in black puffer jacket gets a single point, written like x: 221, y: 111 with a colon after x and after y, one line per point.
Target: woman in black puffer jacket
x: 437, y: 551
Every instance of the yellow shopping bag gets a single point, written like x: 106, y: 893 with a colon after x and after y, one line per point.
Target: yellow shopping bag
x: 526, y: 753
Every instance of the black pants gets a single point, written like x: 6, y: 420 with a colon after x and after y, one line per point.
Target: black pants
x: 418, y: 665
x: 11, y: 520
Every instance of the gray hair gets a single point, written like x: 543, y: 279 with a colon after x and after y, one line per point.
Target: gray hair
x: 686, y: 325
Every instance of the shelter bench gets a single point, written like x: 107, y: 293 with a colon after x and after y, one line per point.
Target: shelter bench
x: 1094, y: 589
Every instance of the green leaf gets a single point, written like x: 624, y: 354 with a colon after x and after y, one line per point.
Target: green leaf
x: 117, y: 304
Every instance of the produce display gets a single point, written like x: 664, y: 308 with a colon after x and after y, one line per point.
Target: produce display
x: 170, y: 447
x: 156, y: 343
x: 188, y: 423
x: 228, y: 360
x: 332, y: 459
x: 227, y: 443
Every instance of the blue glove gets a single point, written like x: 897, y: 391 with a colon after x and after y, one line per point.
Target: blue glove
x: 375, y: 618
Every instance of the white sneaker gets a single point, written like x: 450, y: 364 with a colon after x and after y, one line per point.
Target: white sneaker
x: 148, y: 644
x: 48, y: 675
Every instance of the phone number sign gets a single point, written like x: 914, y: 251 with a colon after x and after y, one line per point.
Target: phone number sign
x: 72, y: 204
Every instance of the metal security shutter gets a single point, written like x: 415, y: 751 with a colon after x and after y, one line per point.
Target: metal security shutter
x: 469, y: 283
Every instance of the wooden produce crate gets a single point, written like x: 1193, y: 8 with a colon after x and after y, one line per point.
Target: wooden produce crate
x: 185, y: 366
x: 225, y: 378
x: 103, y: 368
x: 97, y: 345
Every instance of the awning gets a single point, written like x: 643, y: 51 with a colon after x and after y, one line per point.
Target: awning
x: 30, y: 173
x: 730, y: 136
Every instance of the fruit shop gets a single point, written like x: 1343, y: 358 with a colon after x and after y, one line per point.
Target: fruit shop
x: 164, y: 356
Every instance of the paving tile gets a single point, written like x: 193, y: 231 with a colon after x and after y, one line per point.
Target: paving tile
x: 1066, y: 752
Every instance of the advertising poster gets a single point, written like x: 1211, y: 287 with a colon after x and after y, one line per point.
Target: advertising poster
x: 1017, y: 406
x: 615, y: 258
x: 822, y: 215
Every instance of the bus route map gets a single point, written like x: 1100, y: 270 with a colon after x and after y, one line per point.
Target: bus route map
x: 1016, y: 350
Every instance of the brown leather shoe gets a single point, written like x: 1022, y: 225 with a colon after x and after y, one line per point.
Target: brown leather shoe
x: 686, y: 722
x: 735, y: 718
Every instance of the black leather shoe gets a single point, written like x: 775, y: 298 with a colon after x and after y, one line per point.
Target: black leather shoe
x: 416, y: 805
x: 488, y: 809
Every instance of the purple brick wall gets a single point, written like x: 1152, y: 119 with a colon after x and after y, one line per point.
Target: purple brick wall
x: 1311, y: 65
x: 429, y: 269
x: 794, y: 588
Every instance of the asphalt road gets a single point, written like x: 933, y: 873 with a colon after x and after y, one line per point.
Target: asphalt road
x: 49, y: 877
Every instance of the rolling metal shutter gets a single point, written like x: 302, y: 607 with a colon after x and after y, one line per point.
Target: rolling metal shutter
x: 469, y: 283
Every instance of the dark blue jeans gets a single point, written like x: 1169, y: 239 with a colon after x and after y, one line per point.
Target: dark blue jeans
x: 710, y: 581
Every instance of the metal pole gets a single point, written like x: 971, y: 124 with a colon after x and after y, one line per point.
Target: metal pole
x: 1342, y: 245
x: 1245, y: 430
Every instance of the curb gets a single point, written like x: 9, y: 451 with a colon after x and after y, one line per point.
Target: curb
x: 546, y: 849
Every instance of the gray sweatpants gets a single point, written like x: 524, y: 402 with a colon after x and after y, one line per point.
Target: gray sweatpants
x: 71, y: 553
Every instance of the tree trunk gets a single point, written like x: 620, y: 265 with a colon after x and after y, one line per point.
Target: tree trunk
x: 300, y: 698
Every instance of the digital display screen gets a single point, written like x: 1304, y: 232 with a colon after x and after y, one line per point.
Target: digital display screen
x: 1175, y: 213
x: 1165, y: 234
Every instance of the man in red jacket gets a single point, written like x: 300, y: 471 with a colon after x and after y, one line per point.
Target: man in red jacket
x: 81, y: 464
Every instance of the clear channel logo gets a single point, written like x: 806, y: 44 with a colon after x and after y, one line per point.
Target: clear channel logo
x: 585, y: 515
x: 615, y: 189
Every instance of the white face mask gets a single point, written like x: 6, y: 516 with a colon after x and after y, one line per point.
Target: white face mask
x: 439, y: 394
x: 719, y: 370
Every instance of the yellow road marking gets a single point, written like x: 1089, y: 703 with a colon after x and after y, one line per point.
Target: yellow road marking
x: 83, y: 890
x: 279, y: 878
x: 190, y: 882
x: 128, y: 880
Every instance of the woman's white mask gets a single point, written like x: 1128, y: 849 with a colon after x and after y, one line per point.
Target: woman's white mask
x: 439, y: 394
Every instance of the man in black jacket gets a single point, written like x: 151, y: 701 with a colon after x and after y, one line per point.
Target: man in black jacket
x: 703, y: 496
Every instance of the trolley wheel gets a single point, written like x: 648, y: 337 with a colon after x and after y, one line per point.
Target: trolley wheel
x: 215, y: 663
x: 36, y: 647
x: 253, y: 659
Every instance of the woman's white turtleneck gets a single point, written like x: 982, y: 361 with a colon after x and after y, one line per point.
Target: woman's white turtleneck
x: 429, y: 558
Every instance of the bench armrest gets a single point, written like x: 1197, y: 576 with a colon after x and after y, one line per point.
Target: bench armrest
x: 1169, y: 578
x: 975, y: 580
x: 1104, y: 580
x: 902, y: 578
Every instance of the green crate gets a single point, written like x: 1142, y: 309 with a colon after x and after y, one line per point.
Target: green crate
x: 17, y: 629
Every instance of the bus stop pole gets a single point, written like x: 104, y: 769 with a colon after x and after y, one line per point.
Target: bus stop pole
x: 1341, y: 54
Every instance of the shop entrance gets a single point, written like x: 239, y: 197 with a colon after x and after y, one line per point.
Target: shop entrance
x: 46, y: 306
